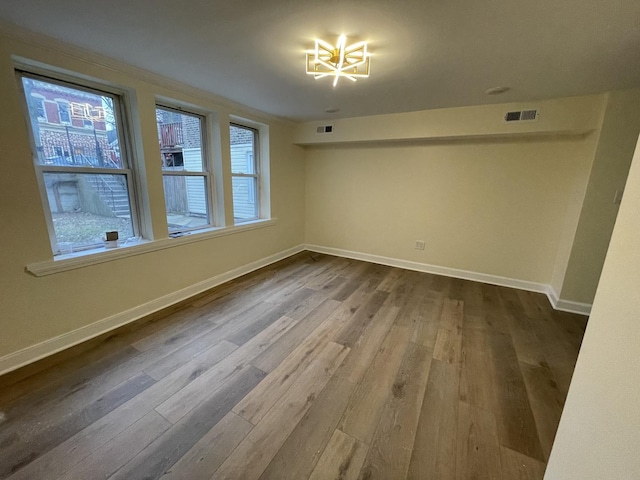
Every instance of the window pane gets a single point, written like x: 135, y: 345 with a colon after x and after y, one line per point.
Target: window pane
x: 63, y: 113
x: 38, y: 107
x: 180, y: 137
x: 72, y: 127
x: 186, y: 202
x: 242, y: 150
x: 84, y: 206
x: 244, y: 198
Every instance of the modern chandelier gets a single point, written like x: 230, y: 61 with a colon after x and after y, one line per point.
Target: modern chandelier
x: 341, y: 60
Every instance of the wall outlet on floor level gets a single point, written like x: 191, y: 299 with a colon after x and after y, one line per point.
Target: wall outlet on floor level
x: 419, y: 245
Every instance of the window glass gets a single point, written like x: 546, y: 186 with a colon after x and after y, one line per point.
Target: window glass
x: 180, y: 137
x: 63, y: 112
x: 186, y: 178
x: 84, y: 176
x: 245, y: 178
x: 38, y: 108
x: 242, y: 150
x: 186, y: 202
x: 244, y: 198
x: 85, y: 206
x: 100, y: 147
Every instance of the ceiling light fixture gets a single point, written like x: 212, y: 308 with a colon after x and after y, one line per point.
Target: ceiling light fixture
x: 350, y: 61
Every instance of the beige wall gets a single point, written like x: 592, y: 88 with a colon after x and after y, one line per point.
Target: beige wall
x: 494, y: 207
x: 35, y: 309
x: 599, y: 431
x: 499, y: 204
x: 618, y: 137
x: 486, y: 197
x: 576, y: 115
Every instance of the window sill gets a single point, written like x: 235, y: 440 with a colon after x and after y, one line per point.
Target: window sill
x: 86, y: 258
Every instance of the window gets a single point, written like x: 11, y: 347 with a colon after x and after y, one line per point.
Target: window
x: 84, y: 176
x: 36, y: 105
x: 63, y: 112
x: 245, y: 173
x: 186, y: 169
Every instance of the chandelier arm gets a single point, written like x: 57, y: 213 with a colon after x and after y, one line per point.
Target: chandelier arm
x: 342, y: 60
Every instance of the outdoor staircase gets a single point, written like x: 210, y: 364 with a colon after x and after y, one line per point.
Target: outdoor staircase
x: 113, y: 193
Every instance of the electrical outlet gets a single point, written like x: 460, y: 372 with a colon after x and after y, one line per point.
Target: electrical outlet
x: 419, y: 245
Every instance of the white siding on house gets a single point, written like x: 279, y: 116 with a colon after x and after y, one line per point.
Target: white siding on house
x: 244, y: 200
x: 196, y: 196
x: 240, y: 157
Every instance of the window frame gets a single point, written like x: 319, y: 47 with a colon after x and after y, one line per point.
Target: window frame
x: 207, y: 172
x: 124, y: 143
x: 257, y: 175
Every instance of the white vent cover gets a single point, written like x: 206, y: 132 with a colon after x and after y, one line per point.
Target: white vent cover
x: 521, y: 116
x: 324, y: 129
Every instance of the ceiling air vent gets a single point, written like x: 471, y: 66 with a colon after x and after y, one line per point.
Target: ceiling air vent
x: 521, y: 116
x: 324, y: 129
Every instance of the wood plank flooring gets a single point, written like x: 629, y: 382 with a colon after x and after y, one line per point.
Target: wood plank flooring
x: 316, y: 367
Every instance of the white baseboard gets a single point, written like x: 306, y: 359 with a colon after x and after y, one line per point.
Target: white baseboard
x: 558, y: 304
x: 435, y: 269
x: 54, y: 345
x: 567, y: 305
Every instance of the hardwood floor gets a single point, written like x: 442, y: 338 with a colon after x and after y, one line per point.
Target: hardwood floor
x: 315, y: 367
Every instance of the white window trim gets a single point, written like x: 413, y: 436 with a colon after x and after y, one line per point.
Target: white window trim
x: 251, y: 160
x: 124, y: 140
x: 73, y: 261
x: 129, y: 130
x: 257, y: 168
x: 207, y: 167
x: 262, y: 153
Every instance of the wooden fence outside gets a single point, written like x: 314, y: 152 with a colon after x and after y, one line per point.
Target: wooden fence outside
x: 175, y: 193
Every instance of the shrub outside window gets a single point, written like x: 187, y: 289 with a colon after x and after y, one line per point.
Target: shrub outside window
x: 84, y: 173
x: 185, y: 169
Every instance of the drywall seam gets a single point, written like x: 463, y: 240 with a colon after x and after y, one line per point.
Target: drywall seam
x: 54, y: 345
x: 558, y: 304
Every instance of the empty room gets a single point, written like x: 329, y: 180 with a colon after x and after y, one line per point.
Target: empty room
x: 340, y: 240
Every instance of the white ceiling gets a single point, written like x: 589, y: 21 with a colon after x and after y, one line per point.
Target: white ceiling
x: 426, y: 53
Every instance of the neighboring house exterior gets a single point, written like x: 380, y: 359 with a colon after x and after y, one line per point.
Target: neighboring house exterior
x: 242, y: 160
x: 180, y: 140
x: 75, y: 128
x: 65, y: 136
